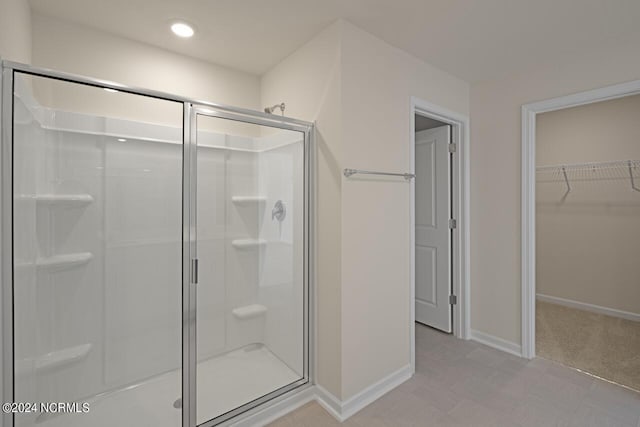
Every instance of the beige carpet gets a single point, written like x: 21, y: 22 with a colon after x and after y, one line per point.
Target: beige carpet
x: 605, y: 346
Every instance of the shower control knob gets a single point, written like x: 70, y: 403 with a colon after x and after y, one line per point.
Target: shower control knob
x: 279, y: 211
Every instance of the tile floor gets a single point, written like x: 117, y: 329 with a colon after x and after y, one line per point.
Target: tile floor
x: 463, y: 383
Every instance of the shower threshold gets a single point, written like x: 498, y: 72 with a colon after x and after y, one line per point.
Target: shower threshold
x: 224, y: 383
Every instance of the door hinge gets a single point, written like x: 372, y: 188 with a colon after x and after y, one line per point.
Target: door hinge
x: 453, y: 223
x: 194, y: 271
x: 452, y: 147
x: 453, y: 300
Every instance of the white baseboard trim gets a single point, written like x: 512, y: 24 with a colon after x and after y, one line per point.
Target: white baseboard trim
x: 343, y: 410
x: 589, y: 307
x: 276, y: 410
x: 497, y: 343
x: 338, y: 409
x: 329, y: 402
x: 375, y: 391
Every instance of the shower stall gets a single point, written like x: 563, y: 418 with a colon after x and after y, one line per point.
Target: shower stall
x: 155, y: 255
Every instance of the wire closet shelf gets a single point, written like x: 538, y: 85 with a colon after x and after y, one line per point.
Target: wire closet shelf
x: 627, y: 170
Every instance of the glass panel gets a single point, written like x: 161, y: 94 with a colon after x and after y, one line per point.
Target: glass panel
x: 250, y: 303
x: 97, y: 254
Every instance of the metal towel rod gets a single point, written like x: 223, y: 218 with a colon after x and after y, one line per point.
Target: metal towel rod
x: 349, y: 172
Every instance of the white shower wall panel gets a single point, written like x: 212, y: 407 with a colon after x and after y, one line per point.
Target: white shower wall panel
x: 281, y: 260
x: 143, y: 274
x: 242, y: 263
x: 227, y: 168
x: 212, y: 331
x: 83, y: 328
x: 27, y: 343
x: 73, y: 167
x: 47, y: 313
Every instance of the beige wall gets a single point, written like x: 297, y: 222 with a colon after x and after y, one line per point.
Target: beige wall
x: 378, y: 82
x: 309, y: 82
x: 495, y: 173
x: 598, y: 132
x: 81, y: 50
x: 587, y: 246
x: 358, y: 88
x: 15, y: 30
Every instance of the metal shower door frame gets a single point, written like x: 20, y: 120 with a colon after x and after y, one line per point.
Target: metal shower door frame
x: 306, y: 129
x: 6, y: 237
x: 191, y: 108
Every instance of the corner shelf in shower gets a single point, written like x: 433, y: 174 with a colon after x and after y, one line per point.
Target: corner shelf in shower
x: 248, y: 200
x: 61, y: 358
x: 249, y: 311
x: 63, y: 262
x: 248, y: 243
x: 68, y: 200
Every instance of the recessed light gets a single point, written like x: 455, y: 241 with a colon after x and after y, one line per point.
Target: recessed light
x: 182, y: 29
x: 122, y: 140
x: 108, y: 89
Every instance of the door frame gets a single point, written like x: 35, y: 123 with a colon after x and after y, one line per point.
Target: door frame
x: 460, y: 194
x: 529, y: 113
x: 251, y: 412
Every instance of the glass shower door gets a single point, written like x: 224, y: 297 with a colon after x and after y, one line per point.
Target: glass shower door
x: 97, y: 255
x: 251, y: 302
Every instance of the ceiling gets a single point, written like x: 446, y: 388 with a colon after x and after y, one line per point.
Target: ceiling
x: 472, y: 39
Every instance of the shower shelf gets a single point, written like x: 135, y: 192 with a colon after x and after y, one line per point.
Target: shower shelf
x: 61, y: 358
x: 248, y: 243
x: 62, y: 262
x: 57, y: 199
x: 248, y: 200
x: 249, y: 311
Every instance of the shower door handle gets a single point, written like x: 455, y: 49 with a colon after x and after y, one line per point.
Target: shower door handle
x: 194, y: 271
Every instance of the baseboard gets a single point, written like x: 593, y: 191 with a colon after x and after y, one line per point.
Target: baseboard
x: 589, y: 307
x: 338, y: 409
x: 277, y: 410
x: 343, y: 410
x: 329, y: 402
x: 497, y: 343
x: 375, y: 391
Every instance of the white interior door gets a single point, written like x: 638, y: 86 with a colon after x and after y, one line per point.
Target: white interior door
x: 433, y: 235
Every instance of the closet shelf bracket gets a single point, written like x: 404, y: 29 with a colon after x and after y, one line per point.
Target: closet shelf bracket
x: 630, y: 164
x: 566, y: 180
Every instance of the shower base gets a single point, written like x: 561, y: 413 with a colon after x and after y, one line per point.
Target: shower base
x: 224, y: 383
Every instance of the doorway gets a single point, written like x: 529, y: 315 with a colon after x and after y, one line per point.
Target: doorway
x: 581, y: 207
x: 587, y: 235
x: 440, y: 221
